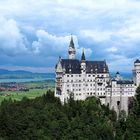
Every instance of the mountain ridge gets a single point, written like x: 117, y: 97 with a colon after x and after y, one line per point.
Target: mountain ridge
x: 19, y: 74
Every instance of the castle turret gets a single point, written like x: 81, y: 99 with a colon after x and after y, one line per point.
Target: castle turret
x: 72, y: 51
x: 83, y: 63
x: 136, y: 72
x: 58, y: 68
x: 117, y: 76
x: 59, y: 74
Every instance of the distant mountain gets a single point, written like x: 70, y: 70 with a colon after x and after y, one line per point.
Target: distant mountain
x: 3, y: 71
x: 20, y: 74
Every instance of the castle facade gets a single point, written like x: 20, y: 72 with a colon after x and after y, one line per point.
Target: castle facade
x: 84, y: 78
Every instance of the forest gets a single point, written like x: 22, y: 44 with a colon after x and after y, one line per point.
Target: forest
x: 45, y: 118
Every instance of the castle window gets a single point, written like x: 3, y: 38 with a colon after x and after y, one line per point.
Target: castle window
x: 71, y: 75
x: 89, y: 75
x: 118, y: 103
x: 67, y: 75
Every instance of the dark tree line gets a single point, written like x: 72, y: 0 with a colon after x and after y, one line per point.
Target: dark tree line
x: 44, y: 118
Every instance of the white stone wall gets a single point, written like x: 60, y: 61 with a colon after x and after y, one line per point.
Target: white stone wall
x: 119, y: 93
x: 86, y: 85
x: 136, y: 74
x: 83, y: 85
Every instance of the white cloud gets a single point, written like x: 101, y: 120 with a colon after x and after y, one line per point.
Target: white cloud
x: 120, y: 63
x: 49, y: 45
x: 106, y: 27
x: 111, y: 49
x: 11, y: 39
x: 97, y: 35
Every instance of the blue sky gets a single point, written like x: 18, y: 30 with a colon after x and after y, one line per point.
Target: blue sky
x: 34, y: 33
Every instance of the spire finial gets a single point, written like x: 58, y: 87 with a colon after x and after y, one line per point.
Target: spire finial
x: 71, y: 42
x: 83, y: 55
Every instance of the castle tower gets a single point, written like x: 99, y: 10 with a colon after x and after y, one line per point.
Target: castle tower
x: 72, y: 51
x: 59, y: 74
x: 83, y: 63
x: 136, y: 72
x: 117, y: 76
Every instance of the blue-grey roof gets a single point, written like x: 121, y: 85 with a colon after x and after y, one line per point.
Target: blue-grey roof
x: 71, y: 43
x: 91, y: 66
x: 124, y: 82
x: 71, y: 64
x: 137, y: 61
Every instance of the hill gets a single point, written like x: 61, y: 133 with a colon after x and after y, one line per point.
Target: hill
x: 21, y: 74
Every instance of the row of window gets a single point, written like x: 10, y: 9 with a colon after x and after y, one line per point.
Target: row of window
x: 88, y: 89
x: 92, y: 93
x: 128, y: 85
x: 99, y: 80
x: 90, y: 75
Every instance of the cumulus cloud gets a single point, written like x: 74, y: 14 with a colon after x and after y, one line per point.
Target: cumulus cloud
x: 112, y: 49
x: 107, y: 29
x: 48, y: 44
x: 12, y: 41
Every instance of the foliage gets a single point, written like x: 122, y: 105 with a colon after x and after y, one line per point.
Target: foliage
x: 45, y: 118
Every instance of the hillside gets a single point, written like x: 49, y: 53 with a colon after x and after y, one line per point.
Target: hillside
x: 20, y: 74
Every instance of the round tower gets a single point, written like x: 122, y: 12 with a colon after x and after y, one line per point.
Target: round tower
x: 117, y: 76
x: 136, y: 72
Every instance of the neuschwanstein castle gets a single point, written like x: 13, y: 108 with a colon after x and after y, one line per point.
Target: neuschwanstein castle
x: 84, y: 78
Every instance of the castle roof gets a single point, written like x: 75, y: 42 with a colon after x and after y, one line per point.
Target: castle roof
x: 73, y: 66
x: 137, y: 61
x: 117, y: 72
x: 125, y: 82
x: 71, y: 43
x: 83, y: 56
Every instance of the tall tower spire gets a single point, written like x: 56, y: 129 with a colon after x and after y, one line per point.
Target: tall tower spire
x: 72, y: 51
x: 83, y: 58
x: 83, y: 63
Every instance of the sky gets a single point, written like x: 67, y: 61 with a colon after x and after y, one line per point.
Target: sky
x: 34, y: 33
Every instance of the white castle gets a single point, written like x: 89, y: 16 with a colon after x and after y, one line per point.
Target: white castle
x: 83, y: 78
